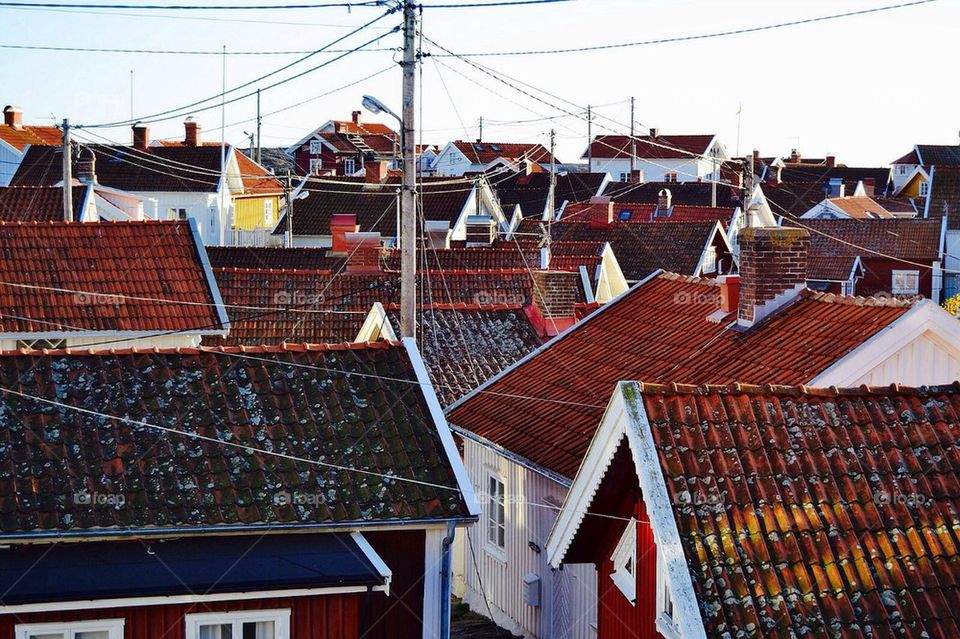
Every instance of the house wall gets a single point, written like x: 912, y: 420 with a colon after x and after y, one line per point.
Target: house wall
x: 878, y: 276
x: 202, y: 207
x: 900, y: 174
x: 9, y: 163
x: 452, y: 163
x: 312, y: 617
x: 567, y: 597
x: 399, y: 615
x: 687, y: 170
x: 924, y: 361
x: 250, y: 212
x: 184, y: 340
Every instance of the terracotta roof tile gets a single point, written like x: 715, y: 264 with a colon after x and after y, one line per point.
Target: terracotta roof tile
x: 486, y: 152
x: 910, y: 239
x: 37, y: 203
x: 275, y: 258
x: 847, y: 532
x: 149, y: 264
x: 661, y: 147
x: 21, y: 137
x: 353, y: 407
x: 683, y: 193
x: 860, y: 207
x: 531, y: 190
x: 944, y: 198
x: 658, y: 332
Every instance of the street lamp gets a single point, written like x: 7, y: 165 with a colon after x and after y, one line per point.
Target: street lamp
x: 375, y: 106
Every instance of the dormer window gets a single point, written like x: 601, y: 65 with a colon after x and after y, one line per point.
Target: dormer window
x: 709, y: 260
x: 315, y: 147
x: 624, y: 561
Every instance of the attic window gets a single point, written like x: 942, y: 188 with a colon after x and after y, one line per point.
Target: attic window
x: 624, y: 559
x: 624, y: 215
x: 478, y: 147
x: 494, y: 147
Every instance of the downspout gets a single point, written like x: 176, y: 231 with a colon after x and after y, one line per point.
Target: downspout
x: 446, y: 560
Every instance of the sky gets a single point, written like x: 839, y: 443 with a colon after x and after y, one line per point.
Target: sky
x: 863, y: 88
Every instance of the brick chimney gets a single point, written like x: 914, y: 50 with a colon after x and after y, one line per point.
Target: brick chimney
x: 554, y: 300
x: 773, y: 270
x: 340, y: 225
x: 794, y: 156
x: 13, y: 116
x: 480, y: 230
x: 664, y: 200
x: 375, y: 171
x: 355, y: 117
x: 141, y: 136
x: 636, y: 176
x: 599, y: 213
x: 363, y: 251
x: 191, y: 129
x: 831, y: 161
x: 654, y: 132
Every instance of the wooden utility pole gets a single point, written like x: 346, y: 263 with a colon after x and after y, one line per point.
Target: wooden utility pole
x: 408, y: 212
x: 553, y: 177
x: 289, y: 203
x: 589, y: 141
x: 633, y: 141
x: 67, y: 174
x: 257, y: 157
x: 480, y: 134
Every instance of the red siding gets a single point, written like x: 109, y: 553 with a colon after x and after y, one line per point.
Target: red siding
x: 314, y: 617
x: 399, y: 615
x: 878, y: 276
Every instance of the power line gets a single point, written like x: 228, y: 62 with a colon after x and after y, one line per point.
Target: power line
x: 194, y: 7
x: 205, y: 52
x: 702, y: 36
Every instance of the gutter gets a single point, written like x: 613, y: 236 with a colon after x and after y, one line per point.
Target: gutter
x: 446, y: 577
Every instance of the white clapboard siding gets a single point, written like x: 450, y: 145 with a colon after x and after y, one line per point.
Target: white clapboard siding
x: 567, y: 599
x: 924, y: 361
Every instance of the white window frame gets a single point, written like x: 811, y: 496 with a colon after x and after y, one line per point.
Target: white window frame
x: 901, y: 290
x: 709, y: 260
x: 69, y: 629
x: 349, y: 166
x: 924, y: 188
x: 666, y: 620
x: 316, y: 165
x: 280, y: 618
x: 494, y: 479
x: 316, y: 147
x: 268, y: 218
x: 624, y: 560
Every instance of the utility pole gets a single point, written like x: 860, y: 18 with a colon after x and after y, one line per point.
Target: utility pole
x: 553, y: 179
x: 715, y: 178
x: 589, y: 141
x: 748, y: 193
x: 408, y: 212
x: 633, y: 141
x: 250, y: 137
x: 257, y: 157
x: 67, y: 174
x: 289, y: 204
x: 480, y: 134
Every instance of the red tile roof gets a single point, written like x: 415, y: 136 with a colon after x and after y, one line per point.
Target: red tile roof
x: 835, y: 511
x: 908, y: 239
x: 505, y: 255
x: 625, y: 212
x: 486, y: 152
x: 37, y: 203
x: 860, y: 207
x: 104, y: 276
x: 21, y: 137
x: 547, y: 408
x: 662, y: 147
x: 269, y: 257
x: 683, y: 193
x: 336, y: 407
x: 909, y: 158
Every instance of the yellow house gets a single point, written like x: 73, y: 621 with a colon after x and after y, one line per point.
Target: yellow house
x: 258, y: 206
x: 917, y: 185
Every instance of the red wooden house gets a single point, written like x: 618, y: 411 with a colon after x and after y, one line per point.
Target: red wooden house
x: 291, y: 492
x: 774, y: 511
x: 343, y: 147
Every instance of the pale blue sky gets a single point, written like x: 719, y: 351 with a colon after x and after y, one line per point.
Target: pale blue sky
x: 864, y: 88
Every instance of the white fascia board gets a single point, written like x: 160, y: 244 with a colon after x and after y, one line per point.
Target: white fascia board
x: 211, y: 280
x: 443, y: 428
x: 923, y: 317
x: 926, y: 204
x: 125, y: 335
x: 512, y: 457
x: 290, y: 150
x: 374, y: 559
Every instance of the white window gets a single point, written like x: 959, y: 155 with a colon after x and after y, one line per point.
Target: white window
x: 624, y: 177
x: 666, y: 623
x: 624, y: 559
x: 349, y: 166
x: 268, y: 212
x: 316, y: 148
x: 710, y: 260
x: 669, y: 177
x: 253, y: 624
x: 177, y: 214
x: 905, y: 283
x: 924, y: 188
x: 901, y: 169
x: 496, y: 514
x: 315, y: 165
x: 100, y: 629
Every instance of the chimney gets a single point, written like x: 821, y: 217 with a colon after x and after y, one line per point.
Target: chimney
x: 831, y: 161
x: 773, y: 270
x: 355, y: 116
x: 375, y: 171
x: 13, y: 116
x: 438, y: 234
x: 363, y: 250
x: 554, y: 301
x: 141, y: 136
x: 794, y: 156
x: 729, y: 293
x: 191, y: 132
x: 340, y: 225
x: 756, y: 160
x: 869, y: 186
x: 654, y: 132
x: 599, y: 213
x: 664, y: 200
x: 835, y: 187
x: 636, y: 176
x: 86, y: 166
x: 480, y: 230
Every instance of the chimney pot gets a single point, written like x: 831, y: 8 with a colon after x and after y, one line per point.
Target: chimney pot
x: 773, y: 270
x: 599, y: 212
x: 664, y: 200
x: 355, y: 116
x: 794, y: 156
x: 340, y: 225
x: 554, y: 299
x: 654, y: 132
x: 363, y: 251
x: 87, y: 166
x: 831, y: 161
x: 729, y: 293
x: 191, y: 132
x: 13, y: 116
x: 141, y: 136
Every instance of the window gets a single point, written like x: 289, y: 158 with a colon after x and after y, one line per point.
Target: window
x: 901, y: 169
x: 49, y: 344
x: 496, y: 514
x: 177, y: 214
x: 924, y: 188
x: 624, y: 215
x: 316, y: 148
x: 268, y: 212
x: 710, y: 260
x: 100, y: 629
x: 255, y: 624
x: 666, y: 623
x: 315, y: 165
x: 669, y: 177
x: 905, y: 283
x: 349, y: 166
x: 624, y: 560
